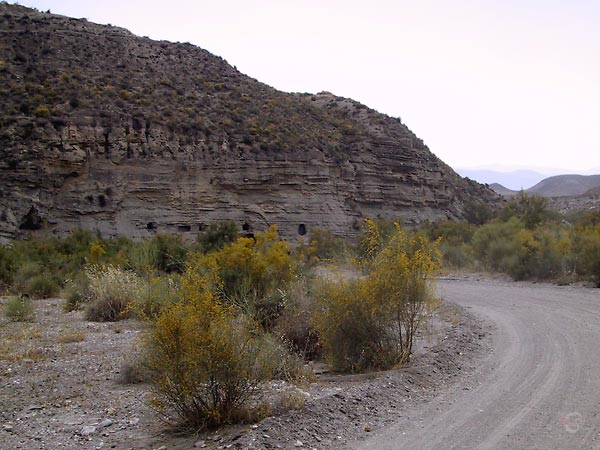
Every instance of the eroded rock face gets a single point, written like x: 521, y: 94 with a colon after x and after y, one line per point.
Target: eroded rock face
x: 148, y: 137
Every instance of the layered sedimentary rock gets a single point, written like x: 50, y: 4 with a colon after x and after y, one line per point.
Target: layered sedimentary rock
x: 128, y: 136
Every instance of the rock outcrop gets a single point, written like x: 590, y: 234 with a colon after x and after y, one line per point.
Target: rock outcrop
x: 121, y: 134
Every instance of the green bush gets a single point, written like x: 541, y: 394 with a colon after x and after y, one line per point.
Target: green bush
x: 53, y: 259
x: 327, y: 245
x: 8, y: 267
x: 19, y: 309
x: 452, y: 233
x: 523, y: 253
x: 478, y: 213
x: 159, y: 292
x: 165, y: 253
x: 276, y: 360
x: 42, y: 286
x: 587, y: 219
x: 25, y: 272
x: 171, y: 253
x: 31, y: 279
x: 494, y: 244
x: 142, y: 257
x: 531, y: 210
x: 586, y: 252
x: 76, y: 292
x: 352, y: 330
x: 217, y: 236
x: 537, y: 255
x: 456, y: 256
x: 294, y: 324
x: 455, y: 239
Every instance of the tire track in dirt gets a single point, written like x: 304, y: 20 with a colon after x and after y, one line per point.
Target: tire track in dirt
x: 538, y: 389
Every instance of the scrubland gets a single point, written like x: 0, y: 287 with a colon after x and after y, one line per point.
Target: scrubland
x: 220, y: 322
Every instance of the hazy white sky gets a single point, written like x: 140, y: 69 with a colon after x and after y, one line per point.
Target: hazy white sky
x: 482, y: 82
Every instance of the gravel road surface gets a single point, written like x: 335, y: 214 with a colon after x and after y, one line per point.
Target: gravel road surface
x: 539, y: 388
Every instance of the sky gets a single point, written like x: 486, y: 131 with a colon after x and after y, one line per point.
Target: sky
x: 501, y: 84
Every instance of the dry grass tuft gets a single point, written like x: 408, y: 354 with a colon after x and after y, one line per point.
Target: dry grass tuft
x: 69, y: 336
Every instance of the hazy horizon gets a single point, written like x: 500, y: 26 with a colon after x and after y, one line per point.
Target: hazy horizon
x: 492, y: 83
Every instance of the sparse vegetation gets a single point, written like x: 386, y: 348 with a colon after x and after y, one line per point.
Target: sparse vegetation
x: 19, y: 309
x: 69, y: 336
x: 226, y: 314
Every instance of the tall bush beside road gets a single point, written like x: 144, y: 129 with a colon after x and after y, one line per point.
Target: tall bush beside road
x: 371, y: 322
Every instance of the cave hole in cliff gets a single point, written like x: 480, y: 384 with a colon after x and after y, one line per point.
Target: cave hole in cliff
x: 246, y: 227
x: 184, y: 228
x: 102, y: 200
x: 301, y: 229
x: 31, y: 220
x: 151, y: 226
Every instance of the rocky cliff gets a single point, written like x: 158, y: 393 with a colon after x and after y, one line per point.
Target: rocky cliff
x: 125, y: 135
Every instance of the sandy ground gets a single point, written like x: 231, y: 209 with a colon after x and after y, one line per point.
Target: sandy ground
x: 59, y: 389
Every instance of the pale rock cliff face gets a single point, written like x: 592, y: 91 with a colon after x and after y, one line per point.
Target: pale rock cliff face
x: 107, y: 163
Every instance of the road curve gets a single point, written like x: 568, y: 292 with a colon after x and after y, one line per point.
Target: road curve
x: 539, y: 388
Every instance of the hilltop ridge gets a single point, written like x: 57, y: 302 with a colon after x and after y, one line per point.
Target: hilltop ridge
x: 125, y: 135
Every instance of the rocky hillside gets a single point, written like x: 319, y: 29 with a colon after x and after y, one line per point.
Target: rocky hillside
x: 504, y: 191
x: 125, y: 135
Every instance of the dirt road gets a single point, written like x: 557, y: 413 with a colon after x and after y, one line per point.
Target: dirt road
x: 538, y: 389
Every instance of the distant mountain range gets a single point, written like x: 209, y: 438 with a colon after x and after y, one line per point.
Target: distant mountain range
x: 564, y: 185
x: 515, y: 180
x: 518, y: 178
x: 557, y: 186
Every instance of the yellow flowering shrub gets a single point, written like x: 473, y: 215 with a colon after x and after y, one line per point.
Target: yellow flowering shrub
x: 202, y: 357
x: 96, y: 252
x: 371, y: 240
x: 586, y: 249
x: 254, y: 274
x: 371, y: 322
